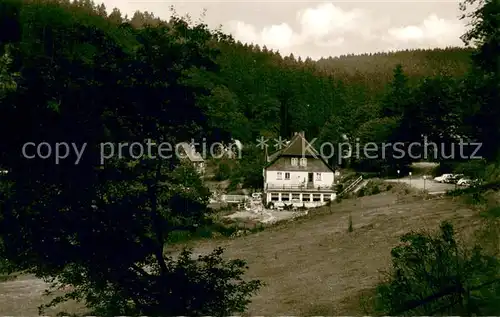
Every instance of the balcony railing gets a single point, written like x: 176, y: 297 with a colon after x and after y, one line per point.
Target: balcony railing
x: 299, y: 187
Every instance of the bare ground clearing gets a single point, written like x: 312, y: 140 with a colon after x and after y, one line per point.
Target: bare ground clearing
x: 312, y: 265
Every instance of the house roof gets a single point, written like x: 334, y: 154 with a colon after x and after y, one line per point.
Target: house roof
x: 191, y: 153
x: 297, y: 147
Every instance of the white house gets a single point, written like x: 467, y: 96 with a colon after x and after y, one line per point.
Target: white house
x: 188, y: 152
x: 298, y: 175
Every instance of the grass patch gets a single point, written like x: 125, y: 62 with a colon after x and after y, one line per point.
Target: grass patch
x: 7, y: 277
x: 7, y: 271
x: 493, y: 212
x: 215, y: 230
x: 374, y: 187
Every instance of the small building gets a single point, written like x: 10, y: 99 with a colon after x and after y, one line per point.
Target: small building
x: 298, y: 175
x: 188, y: 152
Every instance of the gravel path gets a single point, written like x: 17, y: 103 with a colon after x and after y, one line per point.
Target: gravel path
x: 430, y: 185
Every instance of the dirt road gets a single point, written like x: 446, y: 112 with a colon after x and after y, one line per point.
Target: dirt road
x: 311, y: 266
x: 425, y: 184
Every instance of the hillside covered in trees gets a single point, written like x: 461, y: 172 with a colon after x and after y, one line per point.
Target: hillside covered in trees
x: 78, y: 74
x: 264, y: 93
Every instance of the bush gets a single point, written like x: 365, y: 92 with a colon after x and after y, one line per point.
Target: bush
x: 6, y: 271
x: 223, y: 172
x: 204, y: 232
x: 178, y: 236
x: 350, y: 228
x: 492, y: 212
x: 226, y: 231
x: 472, y: 168
x: 367, y: 175
x: 433, y: 275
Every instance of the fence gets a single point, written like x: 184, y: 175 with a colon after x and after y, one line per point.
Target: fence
x: 352, y: 185
x: 234, y: 198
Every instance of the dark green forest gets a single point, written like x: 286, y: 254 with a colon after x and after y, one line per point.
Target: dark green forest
x: 80, y: 73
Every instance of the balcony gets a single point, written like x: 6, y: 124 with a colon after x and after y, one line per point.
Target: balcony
x: 299, y: 188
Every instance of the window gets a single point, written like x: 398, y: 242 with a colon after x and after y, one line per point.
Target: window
x: 285, y: 197
x: 327, y: 198
x: 275, y: 196
x: 306, y: 197
x: 316, y: 197
x: 287, y: 175
x: 295, y: 161
x: 296, y: 197
x: 318, y: 176
x: 303, y: 161
x: 279, y: 175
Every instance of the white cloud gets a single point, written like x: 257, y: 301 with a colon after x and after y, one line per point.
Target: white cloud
x: 278, y: 36
x: 322, y: 26
x: 322, y: 29
x: 331, y: 43
x: 326, y: 29
x: 242, y: 31
x: 432, y: 32
x: 327, y: 19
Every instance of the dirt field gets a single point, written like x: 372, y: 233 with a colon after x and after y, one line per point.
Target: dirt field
x: 311, y: 266
x: 315, y: 267
x: 23, y: 296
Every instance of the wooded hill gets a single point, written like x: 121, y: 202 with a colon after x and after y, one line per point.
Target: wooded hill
x: 305, y: 94
x: 417, y: 63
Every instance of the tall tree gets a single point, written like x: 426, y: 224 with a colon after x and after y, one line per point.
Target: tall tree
x: 483, y: 91
x: 397, y: 97
x: 102, y: 226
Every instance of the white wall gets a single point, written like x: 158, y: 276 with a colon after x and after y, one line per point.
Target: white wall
x: 297, y: 178
x: 326, y: 179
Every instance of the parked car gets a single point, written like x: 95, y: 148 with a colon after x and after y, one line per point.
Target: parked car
x: 443, y: 178
x: 454, y: 178
x: 466, y: 182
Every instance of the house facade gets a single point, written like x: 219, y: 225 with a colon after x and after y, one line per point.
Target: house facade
x: 299, y: 176
x: 188, y: 152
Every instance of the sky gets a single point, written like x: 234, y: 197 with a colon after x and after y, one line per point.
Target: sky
x: 319, y: 29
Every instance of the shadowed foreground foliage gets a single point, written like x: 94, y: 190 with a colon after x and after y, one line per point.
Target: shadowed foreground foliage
x: 85, y: 79
x: 432, y: 274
